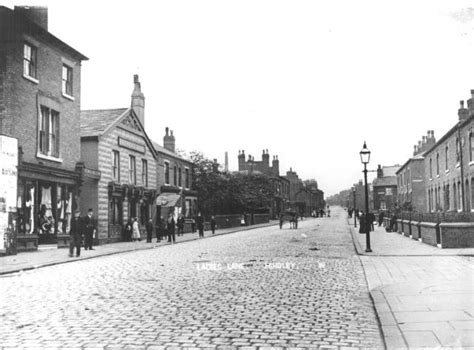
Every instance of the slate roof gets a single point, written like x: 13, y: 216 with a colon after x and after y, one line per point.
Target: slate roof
x: 385, y: 181
x: 95, y: 122
x: 161, y: 149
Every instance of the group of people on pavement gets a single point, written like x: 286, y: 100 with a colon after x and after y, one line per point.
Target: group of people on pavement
x: 81, y: 232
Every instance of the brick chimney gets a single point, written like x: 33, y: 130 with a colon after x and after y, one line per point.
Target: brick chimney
x: 266, y: 160
x: 470, y: 105
x: 430, y: 140
x: 463, y: 113
x: 36, y: 14
x: 241, y: 159
x: 168, y: 140
x: 276, y: 166
x: 138, y: 100
x: 379, y: 172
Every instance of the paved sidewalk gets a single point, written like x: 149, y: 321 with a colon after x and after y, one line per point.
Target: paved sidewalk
x: 32, y: 260
x: 424, y: 296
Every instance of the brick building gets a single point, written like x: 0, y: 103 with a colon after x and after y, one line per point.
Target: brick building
x: 411, y: 187
x: 304, y: 198
x: 120, y: 181
x: 385, y: 188
x: 40, y: 87
x: 174, y: 180
x: 281, y: 185
x: 449, y: 165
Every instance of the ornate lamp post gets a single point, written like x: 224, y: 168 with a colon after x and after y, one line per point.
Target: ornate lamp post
x: 354, y: 195
x: 365, y: 158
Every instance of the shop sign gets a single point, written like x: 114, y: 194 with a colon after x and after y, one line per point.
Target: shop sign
x: 8, y: 185
x: 131, y: 145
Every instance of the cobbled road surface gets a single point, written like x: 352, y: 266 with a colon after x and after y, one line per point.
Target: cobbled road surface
x: 260, y: 288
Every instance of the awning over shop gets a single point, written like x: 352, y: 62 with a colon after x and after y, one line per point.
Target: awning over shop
x: 167, y: 199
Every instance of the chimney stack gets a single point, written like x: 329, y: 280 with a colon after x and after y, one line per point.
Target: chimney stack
x: 241, y: 159
x: 138, y: 100
x: 276, y: 166
x: 463, y: 113
x: 379, y: 171
x: 226, y: 162
x: 36, y: 14
x: 169, y: 140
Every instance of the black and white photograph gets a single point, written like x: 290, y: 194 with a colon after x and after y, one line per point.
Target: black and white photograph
x: 221, y: 174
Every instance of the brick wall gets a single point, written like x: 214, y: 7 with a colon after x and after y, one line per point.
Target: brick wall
x: 22, y: 99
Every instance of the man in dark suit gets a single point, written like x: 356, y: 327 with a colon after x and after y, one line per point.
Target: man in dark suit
x: 76, y: 234
x: 89, y: 225
x: 200, y: 225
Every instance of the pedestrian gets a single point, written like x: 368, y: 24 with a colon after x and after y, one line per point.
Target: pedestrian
x: 295, y: 223
x: 381, y: 215
x: 128, y: 231
x: 149, y: 230
x: 180, y: 224
x: 200, y: 225
x: 136, y: 230
x: 329, y: 212
x: 170, y: 228
x: 363, y: 228
x: 370, y: 220
x: 160, y: 229
x: 213, y: 224
x: 281, y: 221
x: 75, y: 232
x: 193, y: 225
x: 89, y: 226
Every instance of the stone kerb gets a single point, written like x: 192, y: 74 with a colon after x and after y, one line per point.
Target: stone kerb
x: 457, y: 234
x: 428, y: 233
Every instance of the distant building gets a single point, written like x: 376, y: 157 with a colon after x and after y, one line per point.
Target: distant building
x: 40, y: 94
x: 281, y: 185
x: 449, y: 165
x: 304, y: 198
x: 411, y: 185
x: 385, y: 188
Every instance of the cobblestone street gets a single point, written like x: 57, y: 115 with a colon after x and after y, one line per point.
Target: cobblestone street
x: 259, y: 288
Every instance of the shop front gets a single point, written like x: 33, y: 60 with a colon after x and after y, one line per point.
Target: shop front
x: 127, y: 202
x: 47, y: 198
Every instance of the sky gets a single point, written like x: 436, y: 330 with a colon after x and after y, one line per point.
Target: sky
x: 308, y: 80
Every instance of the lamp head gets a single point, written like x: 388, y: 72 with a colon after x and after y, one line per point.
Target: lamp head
x: 364, y: 154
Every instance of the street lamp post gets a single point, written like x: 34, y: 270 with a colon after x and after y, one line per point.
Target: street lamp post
x: 365, y: 158
x: 354, y: 213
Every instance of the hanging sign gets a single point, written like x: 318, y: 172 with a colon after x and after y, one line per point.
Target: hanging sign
x: 8, y: 186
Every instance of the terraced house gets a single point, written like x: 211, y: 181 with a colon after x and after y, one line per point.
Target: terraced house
x: 449, y: 166
x: 40, y: 94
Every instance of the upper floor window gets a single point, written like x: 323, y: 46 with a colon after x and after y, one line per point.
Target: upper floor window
x: 471, y: 146
x: 132, y: 171
x: 116, y: 166
x: 186, y: 177
x: 175, y: 176
x: 167, y: 173
x: 431, y: 168
x: 458, y: 150
x: 67, y: 80
x: 179, y: 178
x: 29, y: 60
x: 447, y: 158
x: 437, y: 163
x: 144, y: 172
x: 49, y: 132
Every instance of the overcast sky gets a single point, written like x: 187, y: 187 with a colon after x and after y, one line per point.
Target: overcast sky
x: 307, y: 80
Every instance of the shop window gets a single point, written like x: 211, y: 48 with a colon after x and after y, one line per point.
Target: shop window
x: 116, y: 166
x: 144, y: 173
x: 29, y: 60
x: 167, y: 173
x: 132, y: 171
x: 49, y: 132
x: 115, y: 211
x: 67, y: 80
